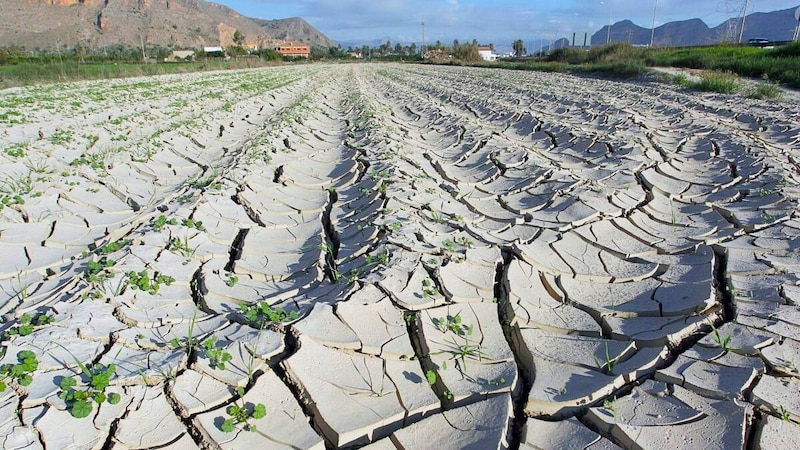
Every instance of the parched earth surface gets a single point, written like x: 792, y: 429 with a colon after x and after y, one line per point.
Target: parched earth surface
x: 397, y: 257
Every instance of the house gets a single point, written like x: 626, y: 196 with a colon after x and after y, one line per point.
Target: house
x: 487, y: 53
x: 293, y: 49
x: 180, y: 55
x: 250, y: 48
x: 214, y: 51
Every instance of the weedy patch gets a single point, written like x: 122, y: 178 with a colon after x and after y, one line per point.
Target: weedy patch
x: 161, y: 221
x: 262, y: 314
x: 142, y: 281
x: 21, y: 372
x: 243, y: 415
x: 217, y: 356
x: 79, y: 398
x: 27, y: 324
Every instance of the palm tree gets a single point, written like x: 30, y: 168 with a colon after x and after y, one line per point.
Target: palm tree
x: 519, y: 48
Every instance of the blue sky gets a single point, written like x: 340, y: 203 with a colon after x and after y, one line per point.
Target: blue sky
x: 495, y: 21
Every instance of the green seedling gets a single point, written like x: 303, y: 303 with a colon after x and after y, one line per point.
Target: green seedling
x: 28, y: 323
x: 190, y: 342
x: 465, y: 350
x: 428, y: 289
x: 97, y: 269
x: 784, y: 414
x: 606, y: 366
x: 181, y: 246
x: 231, y: 280
x: 262, y: 313
x: 197, y: 225
x: 21, y: 372
x: 450, y: 323
x: 609, y: 405
x: 437, y: 217
x: 242, y: 415
x: 143, y: 282
x: 113, y: 247
x: 379, y: 260
x: 217, y: 356
x: 722, y: 342
x: 161, y: 221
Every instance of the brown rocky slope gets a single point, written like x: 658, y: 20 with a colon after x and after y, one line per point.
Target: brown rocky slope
x: 178, y: 23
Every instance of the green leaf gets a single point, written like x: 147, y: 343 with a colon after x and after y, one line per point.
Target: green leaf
x: 81, y: 409
x: 67, y: 383
x: 114, y: 398
x: 2, y: 386
x: 260, y: 412
x: 25, y: 380
x: 227, y: 426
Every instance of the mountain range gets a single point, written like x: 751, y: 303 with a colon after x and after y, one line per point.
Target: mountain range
x: 177, y: 23
x: 774, y: 26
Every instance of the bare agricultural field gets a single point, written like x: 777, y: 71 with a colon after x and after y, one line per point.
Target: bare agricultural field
x: 397, y: 257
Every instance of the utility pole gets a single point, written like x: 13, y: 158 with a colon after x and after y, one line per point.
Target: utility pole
x: 744, y: 17
x: 423, y: 39
x: 653, y: 31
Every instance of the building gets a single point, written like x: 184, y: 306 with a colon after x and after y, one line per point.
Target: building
x: 293, y: 49
x: 214, y: 51
x: 487, y: 53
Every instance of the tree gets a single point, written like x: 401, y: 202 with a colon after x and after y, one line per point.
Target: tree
x: 238, y: 38
x: 519, y: 48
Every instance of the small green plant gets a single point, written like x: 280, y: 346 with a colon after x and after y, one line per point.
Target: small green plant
x: 28, y: 323
x: 428, y: 288
x: 21, y: 372
x: 197, y: 225
x: 217, y: 356
x: 450, y: 323
x: 763, y: 90
x: 437, y: 217
x: 379, y: 260
x: 79, y: 398
x: 262, y: 313
x: 115, y: 246
x: 181, y: 246
x: 143, y: 282
x: 784, y: 414
x: 606, y: 366
x: 465, y: 350
x: 243, y: 414
x: 231, y: 279
x: 719, y: 82
x: 161, y: 221
x: 722, y: 342
x: 97, y: 269
x: 609, y: 405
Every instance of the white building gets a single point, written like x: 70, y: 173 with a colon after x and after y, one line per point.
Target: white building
x: 487, y: 53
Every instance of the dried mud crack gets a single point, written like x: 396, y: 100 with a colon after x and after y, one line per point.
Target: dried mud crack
x: 398, y: 256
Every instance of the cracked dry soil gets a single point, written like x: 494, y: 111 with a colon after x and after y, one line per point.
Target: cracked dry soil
x: 401, y: 257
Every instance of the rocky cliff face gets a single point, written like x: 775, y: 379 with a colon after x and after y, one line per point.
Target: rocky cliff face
x: 177, y: 23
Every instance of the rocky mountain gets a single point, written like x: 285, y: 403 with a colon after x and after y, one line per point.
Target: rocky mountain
x: 177, y: 23
x: 776, y: 25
